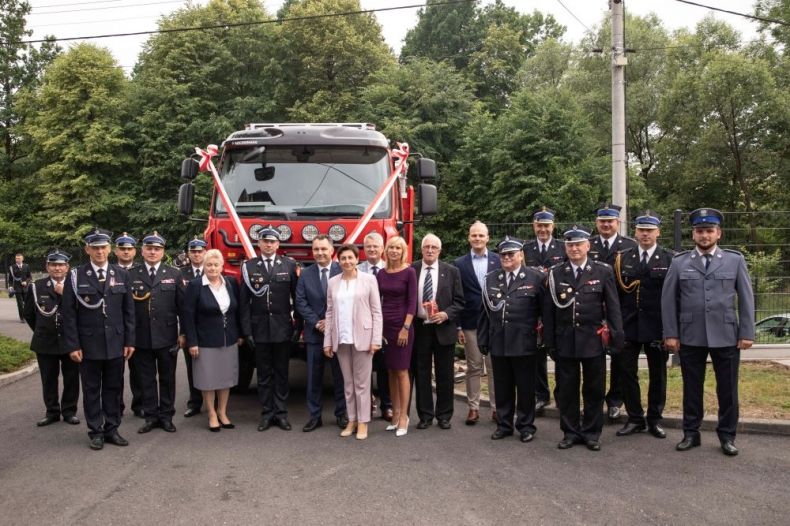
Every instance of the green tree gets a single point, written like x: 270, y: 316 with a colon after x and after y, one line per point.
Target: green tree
x: 449, y: 32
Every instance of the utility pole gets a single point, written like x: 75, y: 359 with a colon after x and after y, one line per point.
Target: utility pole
x: 619, y: 62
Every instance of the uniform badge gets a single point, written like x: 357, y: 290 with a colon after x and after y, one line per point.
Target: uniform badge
x: 499, y: 295
x: 521, y: 275
x: 277, y: 261
x: 49, y: 283
x: 260, y: 263
x: 112, y: 272
x: 89, y: 273
x: 87, y: 298
x: 501, y: 276
x: 562, y: 296
x: 569, y: 290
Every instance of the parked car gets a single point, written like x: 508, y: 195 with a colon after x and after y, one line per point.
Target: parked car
x: 772, y: 327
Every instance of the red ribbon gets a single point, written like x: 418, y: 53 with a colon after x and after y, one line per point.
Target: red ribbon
x: 206, y: 155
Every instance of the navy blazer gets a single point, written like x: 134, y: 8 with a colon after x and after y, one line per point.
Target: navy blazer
x: 311, y: 301
x: 204, y: 324
x: 473, y: 294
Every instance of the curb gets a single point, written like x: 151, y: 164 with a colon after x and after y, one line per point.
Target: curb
x: 757, y: 426
x: 19, y: 374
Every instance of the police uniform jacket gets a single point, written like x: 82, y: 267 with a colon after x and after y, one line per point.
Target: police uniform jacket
x: 187, y: 274
x: 599, y: 253
x: 699, y: 306
x: 266, y: 300
x: 157, y: 305
x: 555, y: 253
x: 511, y: 330
x: 641, y: 304
x: 100, y: 332
x: 46, y: 325
x: 572, y: 331
x: 16, y: 276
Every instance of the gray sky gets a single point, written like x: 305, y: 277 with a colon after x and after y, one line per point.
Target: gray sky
x: 69, y: 18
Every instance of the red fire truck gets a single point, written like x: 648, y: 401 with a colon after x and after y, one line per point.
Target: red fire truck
x: 340, y: 179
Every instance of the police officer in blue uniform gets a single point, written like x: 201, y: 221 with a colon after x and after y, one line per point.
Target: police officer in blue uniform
x: 580, y: 306
x: 545, y: 252
x: 158, y: 292
x: 604, y: 247
x: 125, y: 252
x: 42, y: 313
x: 698, y: 302
x: 266, y: 303
x: 98, y: 331
x: 640, y: 274
x: 512, y: 303
x: 196, y: 250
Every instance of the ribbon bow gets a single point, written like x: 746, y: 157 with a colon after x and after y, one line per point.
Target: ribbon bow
x: 401, y: 153
x: 205, y: 156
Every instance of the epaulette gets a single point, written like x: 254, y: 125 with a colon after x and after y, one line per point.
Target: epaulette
x: 733, y: 251
x: 682, y: 252
x: 602, y: 263
x: 539, y: 271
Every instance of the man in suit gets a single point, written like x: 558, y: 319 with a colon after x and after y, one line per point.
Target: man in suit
x: 640, y: 274
x: 512, y: 304
x: 604, y: 247
x: 17, y: 280
x: 440, y: 300
x: 266, y: 299
x: 125, y: 252
x: 699, y: 317
x: 42, y: 306
x: 98, y: 331
x: 196, y: 250
x: 473, y: 268
x: 373, y: 264
x: 158, y: 293
x: 581, y: 293
x: 545, y: 252
x: 311, y: 306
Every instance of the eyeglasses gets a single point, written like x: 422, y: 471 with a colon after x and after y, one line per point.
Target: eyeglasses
x: 431, y: 247
x: 508, y: 255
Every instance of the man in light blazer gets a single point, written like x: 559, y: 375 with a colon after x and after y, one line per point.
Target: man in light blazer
x: 473, y: 268
x: 311, y: 290
x: 435, y: 333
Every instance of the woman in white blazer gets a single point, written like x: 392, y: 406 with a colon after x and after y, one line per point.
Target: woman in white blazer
x: 353, y: 332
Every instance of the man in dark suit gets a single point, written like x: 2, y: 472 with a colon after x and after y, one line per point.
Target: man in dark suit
x: 640, y: 274
x: 98, y: 331
x: 196, y: 250
x: 158, y: 291
x: 17, y: 279
x: 473, y: 268
x: 440, y: 300
x: 311, y: 305
x: 699, y: 318
x: 604, y: 247
x: 42, y: 314
x: 125, y: 252
x: 545, y: 252
x: 580, y: 295
x: 266, y: 299
x: 512, y: 303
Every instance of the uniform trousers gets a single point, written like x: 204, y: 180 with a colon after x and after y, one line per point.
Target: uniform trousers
x: 357, y: 367
x: 515, y: 394
x: 51, y: 366
x: 693, y: 361
x: 430, y: 354
x: 135, y: 385
x: 158, y: 397
x: 614, y: 397
x: 592, y: 378
x: 474, y: 371
x: 20, y: 302
x: 657, y: 386
x: 542, y: 375
x: 195, y: 396
x: 315, y: 379
x: 101, y: 394
x: 271, y: 360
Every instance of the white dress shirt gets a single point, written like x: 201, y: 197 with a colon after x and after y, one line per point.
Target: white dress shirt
x: 420, y: 286
x: 345, y: 310
x: 220, y: 293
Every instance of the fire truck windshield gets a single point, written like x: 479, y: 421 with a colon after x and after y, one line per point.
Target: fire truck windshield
x: 304, y: 181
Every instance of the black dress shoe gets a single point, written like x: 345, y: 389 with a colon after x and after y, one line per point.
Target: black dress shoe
x: 168, y: 426
x: 540, y: 407
x: 284, y: 424
x: 264, y: 424
x: 630, y: 428
x: 47, y: 420
x: 566, y: 443
x: 229, y: 425
x: 500, y: 434
x: 97, y: 443
x: 424, y: 424
x: 116, y: 439
x: 71, y: 419
x: 728, y: 448
x: 312, y: 424
x: 593, y: 445
x: 214, y: 429
x: 657, y: 431
x: 613, y: 412
x: 148, y: 426
x: 445, y: 424
x: 687, y: 443
x: 342, y: 421
x: 190, y: 412
x: 526, y: 436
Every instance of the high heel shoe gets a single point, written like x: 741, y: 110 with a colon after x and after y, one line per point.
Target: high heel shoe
x: 402, y: 431
x: 214, y: 429
x: 393, y: 425
x: 362, y: 431
x: 349, y: 430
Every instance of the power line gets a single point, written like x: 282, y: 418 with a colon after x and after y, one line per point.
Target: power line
x: 736, y: 13
x: 574, y: 16
x: 102, y: 21
x: 33, y: 8
x: 245, y: 24
x: 108, y: 7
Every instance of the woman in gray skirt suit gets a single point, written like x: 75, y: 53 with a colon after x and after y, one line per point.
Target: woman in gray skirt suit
x: 211, y: 324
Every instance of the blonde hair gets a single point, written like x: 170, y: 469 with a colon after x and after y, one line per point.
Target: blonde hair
x: 214, y: 254
x: 399, y: 241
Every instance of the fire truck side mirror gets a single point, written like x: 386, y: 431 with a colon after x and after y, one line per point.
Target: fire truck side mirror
x: 428, y: 203
x: 186, y: 198
x: 426, y: 169
x: 189, y: 169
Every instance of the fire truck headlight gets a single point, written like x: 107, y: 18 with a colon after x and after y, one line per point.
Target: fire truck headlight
x: 337, y: 233
x: 309, y: 232
x: 285, y: 232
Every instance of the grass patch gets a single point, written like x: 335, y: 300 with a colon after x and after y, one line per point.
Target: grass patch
x: 13, y: 354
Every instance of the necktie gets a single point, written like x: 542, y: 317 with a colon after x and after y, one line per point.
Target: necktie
x: 542, y: 250
x: 268, y: 265
x: 324, y: 280
x: 197, y: 273
x: 707, y: 261
x: 100, y: 274
x: 606, y: 244
x: 644, y: 260
x: 578, y: 274
x: 427, y: 289
x: 375, y: 270
x: 510, y: 277
x: 152, y: 273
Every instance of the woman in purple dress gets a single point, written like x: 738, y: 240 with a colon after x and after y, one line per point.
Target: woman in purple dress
x: 398, y: 288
